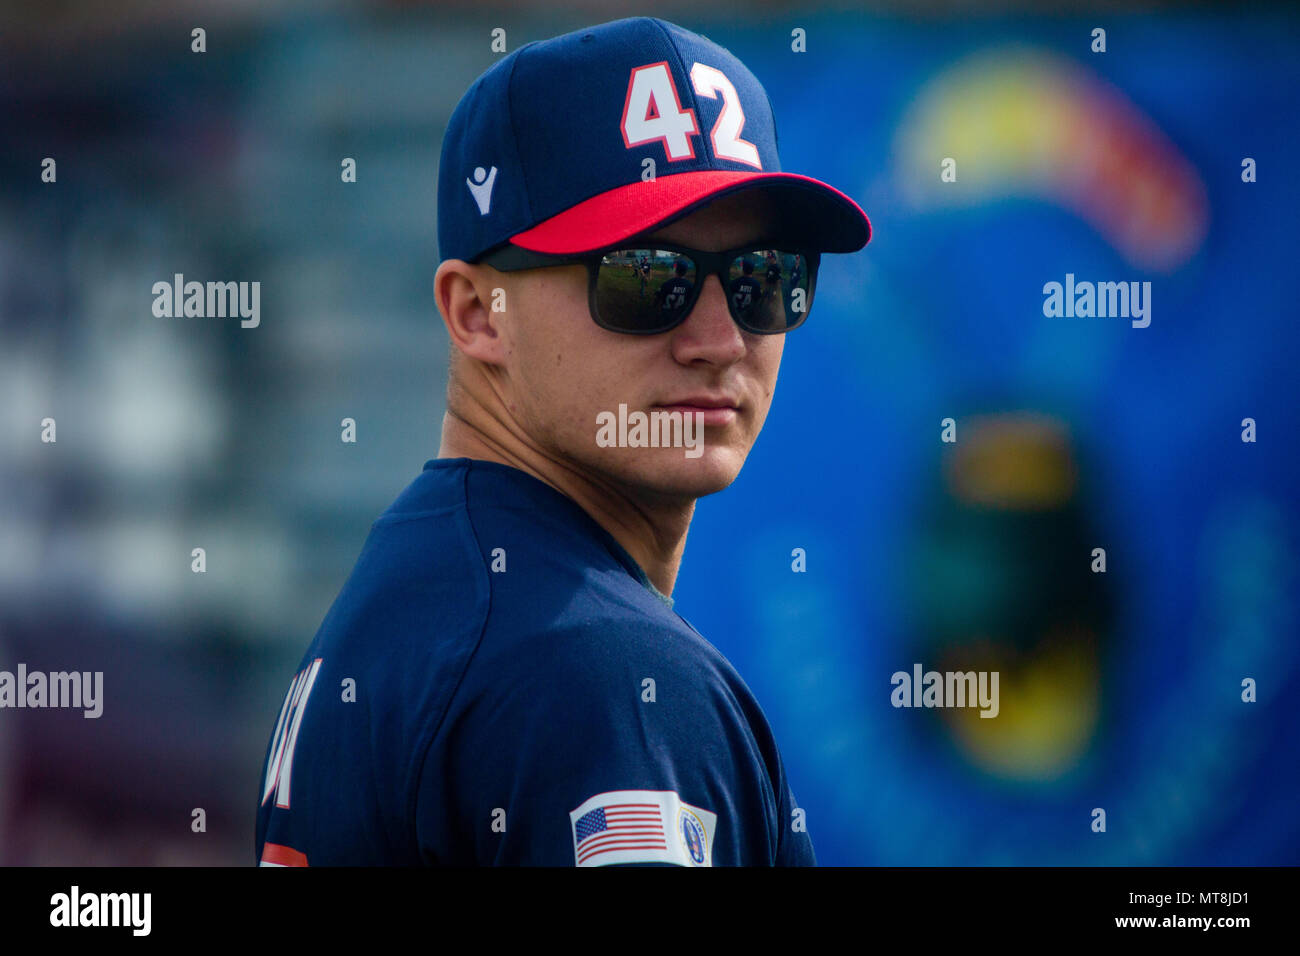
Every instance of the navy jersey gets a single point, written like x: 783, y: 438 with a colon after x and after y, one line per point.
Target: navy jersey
x: 674, y: 293
x: 499, y: 683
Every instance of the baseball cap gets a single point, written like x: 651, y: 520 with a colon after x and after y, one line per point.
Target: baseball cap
x: 578, y: 142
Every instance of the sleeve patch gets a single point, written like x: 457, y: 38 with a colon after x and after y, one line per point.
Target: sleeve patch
x: 641, y: 826
x: 275, y: 854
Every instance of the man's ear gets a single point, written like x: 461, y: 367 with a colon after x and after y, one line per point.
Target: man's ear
x: 464, y: 293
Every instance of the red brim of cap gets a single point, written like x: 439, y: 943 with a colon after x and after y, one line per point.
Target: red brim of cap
x: 813, y: 214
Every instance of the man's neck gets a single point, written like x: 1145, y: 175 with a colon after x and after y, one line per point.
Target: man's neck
x: 651, y: 529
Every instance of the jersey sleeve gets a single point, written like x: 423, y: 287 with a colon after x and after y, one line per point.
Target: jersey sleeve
x: 795, y: 847
x: 605, y: 749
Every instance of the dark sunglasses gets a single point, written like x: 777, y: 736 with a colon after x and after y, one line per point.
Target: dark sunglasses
x: 651, y: 288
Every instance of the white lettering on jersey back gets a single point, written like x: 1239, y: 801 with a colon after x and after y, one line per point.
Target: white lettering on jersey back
x: 279, y: 768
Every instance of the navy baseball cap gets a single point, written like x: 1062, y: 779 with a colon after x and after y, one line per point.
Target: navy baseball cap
x: 547, y: 149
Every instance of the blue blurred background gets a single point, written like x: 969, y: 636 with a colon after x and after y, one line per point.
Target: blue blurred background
x: 1119, y: 690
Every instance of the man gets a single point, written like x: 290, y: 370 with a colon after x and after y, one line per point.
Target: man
x: 773, y: 269
x: 645, y: 272
x: 504, y: 679
x: 672, y: 295
x: 745, y: 290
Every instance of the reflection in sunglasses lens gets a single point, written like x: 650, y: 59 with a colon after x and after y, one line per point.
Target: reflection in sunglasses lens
x: 644, y: 290
x: 768, y: 289
x: 650, y: 290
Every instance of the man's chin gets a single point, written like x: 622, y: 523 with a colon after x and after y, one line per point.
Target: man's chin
x: 670, y: 473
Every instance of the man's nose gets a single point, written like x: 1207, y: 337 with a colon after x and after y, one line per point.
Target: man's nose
x: 709, y: 333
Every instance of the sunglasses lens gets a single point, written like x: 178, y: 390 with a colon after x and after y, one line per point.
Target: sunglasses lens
x: 644, y: 290
x: 769, y: 289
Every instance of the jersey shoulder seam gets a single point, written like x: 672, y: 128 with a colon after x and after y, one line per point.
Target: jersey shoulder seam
x: 435, y: 725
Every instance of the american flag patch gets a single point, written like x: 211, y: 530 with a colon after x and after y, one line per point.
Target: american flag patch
x: 641, y: 826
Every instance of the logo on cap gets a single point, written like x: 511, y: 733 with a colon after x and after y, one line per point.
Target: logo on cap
x: 481, y: 188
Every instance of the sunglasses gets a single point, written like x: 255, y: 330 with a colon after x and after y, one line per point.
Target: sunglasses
x: 645, y: 290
